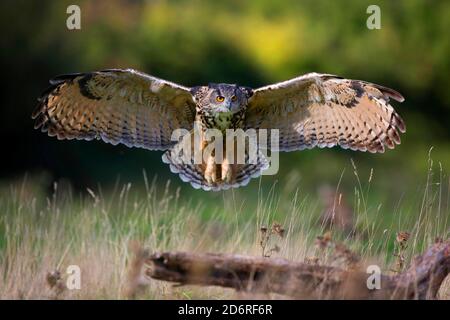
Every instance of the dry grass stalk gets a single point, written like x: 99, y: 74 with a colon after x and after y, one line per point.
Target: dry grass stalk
x: 136, y: 283
x: 266, y: 235
x: 337, y: 214
x: 56, y: 283
x: 340, y: 253
x: 401, y: 242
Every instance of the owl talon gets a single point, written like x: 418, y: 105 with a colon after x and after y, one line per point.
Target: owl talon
x: 209, y: 179
x: 227, y: 172
x: 210, y: 171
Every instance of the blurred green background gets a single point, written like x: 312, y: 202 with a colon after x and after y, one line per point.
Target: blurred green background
x: 252, y: 43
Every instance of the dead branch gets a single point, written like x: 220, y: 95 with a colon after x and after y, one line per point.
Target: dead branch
x: 425, y: 275
x: 262, y: 275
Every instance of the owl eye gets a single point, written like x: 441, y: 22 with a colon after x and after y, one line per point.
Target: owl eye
x: 233, y: 98
x: 220, y: 99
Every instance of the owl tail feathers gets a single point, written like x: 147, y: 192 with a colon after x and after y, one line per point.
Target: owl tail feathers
x: 197, y: 176
x: 242, y: 173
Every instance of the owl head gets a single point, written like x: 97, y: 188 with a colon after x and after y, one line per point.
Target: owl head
x: 218, y: 98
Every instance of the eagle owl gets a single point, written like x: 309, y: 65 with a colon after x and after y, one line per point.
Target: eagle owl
x: 139, y: 110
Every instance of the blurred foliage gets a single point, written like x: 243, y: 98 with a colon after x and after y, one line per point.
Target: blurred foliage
x: 247, y: 42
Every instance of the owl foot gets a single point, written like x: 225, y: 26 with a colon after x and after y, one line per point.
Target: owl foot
x: 210, y: 171
x: 227, y: 171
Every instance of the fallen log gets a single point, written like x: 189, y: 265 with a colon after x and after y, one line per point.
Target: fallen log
x: 299, y: 280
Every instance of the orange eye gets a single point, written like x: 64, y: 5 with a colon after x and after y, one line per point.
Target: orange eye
x: 233, y: 98
x: 220, y: 99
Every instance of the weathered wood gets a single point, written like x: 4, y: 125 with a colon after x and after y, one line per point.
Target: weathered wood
x: 256, y: 274
x: 425, y: 275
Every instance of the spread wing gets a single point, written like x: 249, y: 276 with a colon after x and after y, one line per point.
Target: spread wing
x: 116, y: 106
x: 324, y: 111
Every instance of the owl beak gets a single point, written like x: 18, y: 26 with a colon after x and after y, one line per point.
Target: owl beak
x: 228, y: 105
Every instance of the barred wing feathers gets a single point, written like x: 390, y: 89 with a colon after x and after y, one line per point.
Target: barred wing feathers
x: 116, y: 106
x: 321, y: 110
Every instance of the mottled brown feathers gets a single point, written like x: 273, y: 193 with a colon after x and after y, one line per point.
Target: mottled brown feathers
x: 324, y: 111
x: 117, y: 106
x: 138, y: 110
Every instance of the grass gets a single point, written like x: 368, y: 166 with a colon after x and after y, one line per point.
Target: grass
x: 97, y: 231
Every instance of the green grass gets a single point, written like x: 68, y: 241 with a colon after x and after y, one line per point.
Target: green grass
x: 96, y: 230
